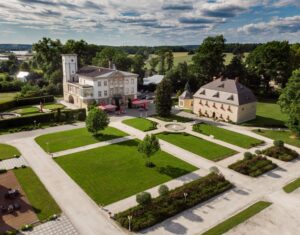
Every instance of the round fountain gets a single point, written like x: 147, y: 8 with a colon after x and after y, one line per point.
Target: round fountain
x: 8, y: 115
x: 174, y: 126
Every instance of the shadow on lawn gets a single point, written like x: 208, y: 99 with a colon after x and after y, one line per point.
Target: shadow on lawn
x: 171, y: 171
x: 264, y: 122
x: 104, y: 137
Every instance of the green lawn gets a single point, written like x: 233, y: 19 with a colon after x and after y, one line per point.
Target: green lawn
x: 142, y: 124
x: 75, y: 138
x: 268, y: 114
x: 238, y: 218
x: 280, y: 135
x: 38, y: 196
x: 292, y: 186
x: 7, y: 96
x: 197, y: 145
x: 231, y: 137
x: 173, y: 117
x: 53, y: 106
x: 114, y: 172
x: 26, y: 110
x: 8, y: 151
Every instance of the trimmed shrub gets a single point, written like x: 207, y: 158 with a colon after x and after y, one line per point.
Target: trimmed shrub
x: 143, y: 198
x: 164, y: 207
x: 278, y: 143
x: 257, y: 151
x: 2, y: 171
x: 281, y: 153
x: 27, y: 227
x: 248, y: 155
x: 163, y: 190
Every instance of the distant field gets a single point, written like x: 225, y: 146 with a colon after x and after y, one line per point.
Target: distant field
x: 7, y: 96
x: 180, y: 57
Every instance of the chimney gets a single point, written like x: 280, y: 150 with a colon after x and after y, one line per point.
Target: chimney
x: 114, y: 67
x: 110, y: 64
x: 214, y: 77
x: 236, y: 79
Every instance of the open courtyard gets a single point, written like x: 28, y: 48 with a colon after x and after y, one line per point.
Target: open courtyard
x: 108, y: 169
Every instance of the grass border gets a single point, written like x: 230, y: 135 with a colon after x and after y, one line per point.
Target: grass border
x: 292, y: 186
x: 237, y: 219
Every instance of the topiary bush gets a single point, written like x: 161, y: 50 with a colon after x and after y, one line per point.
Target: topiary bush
x: 278, y: 143
x: 163, y: 190
x: 248, y: 155
x: 143, y: 198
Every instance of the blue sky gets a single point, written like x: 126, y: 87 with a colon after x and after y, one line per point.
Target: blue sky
x: 149, y: 22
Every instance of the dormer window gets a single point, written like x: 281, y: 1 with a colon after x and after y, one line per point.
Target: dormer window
x: 202, y: 92
x: 216, y: 95
x: 222, y: 85
x: 230, y: 97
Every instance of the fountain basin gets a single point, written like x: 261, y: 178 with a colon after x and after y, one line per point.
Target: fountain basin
x: 174, y: 126
x: 9, y: 115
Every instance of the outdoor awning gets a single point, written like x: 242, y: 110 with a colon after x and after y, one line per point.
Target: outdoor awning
x: 107, y: 107
x: 140, y: 102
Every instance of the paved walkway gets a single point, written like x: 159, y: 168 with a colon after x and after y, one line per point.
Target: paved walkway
x: 80, y: 209
x: 11, y: 163
x: 60, y: 226
x: 92, y: 146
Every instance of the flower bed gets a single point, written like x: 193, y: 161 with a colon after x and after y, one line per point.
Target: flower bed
x: 166, y: 206
x: 282, y: 153
x: 254, y: 166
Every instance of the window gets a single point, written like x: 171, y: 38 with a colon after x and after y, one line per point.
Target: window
x: 181, y: 103
x: 126, y: 81
x: 132, y: 90
x: 127, y: 90
x: 99, y: 94
x: 105, y: 93
x: 99, y: 83
x: 132, y: 81
x: 105, y: 83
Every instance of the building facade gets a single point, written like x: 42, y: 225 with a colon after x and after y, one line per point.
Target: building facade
x: 91, y: 83
x: 226, y: 100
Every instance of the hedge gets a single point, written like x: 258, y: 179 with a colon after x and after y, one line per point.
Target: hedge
x: 166, y: 206
x: 25, y: 101
x: 66, y: 115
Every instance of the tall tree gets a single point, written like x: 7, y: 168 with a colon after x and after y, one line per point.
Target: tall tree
x: 271, y: 61
x: 138, y: 67
x: 96, y: 120
x: 235, y: 68
x: 163, y: 98
x: 162, y: 59
x: 295, y: 48
x: 153, y: 62
x: 149, y: 146
x: 209, y: 59
x: 116, y: 56
x: 169, y: 60
x: 289, y: 102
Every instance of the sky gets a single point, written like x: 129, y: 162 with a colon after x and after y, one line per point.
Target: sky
x: 149, y: 22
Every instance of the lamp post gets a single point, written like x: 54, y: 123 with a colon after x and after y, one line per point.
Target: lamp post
x: 34, y: 122
x: 129, y: 222
x: 185, y: 195
x: 48, y: 147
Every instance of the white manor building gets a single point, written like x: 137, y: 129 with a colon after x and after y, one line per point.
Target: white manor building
x: 89, y: 83
x: 225, y: 100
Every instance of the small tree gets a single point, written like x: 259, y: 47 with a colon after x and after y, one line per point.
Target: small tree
x: 143, y: 198
x: 96, y: 120
x: 278, y: 143
x: 248, y: 155
x: 163, y: 98
x: 214, y: 169
x: 149, y: 146
x: 163, y: 190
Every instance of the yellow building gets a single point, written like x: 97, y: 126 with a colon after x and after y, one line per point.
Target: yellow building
x: 185, y: 100
x: 225, y: 100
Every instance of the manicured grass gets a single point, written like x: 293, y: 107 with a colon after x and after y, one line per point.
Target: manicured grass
x: 114, y: 172
x: 75, y: 138
x: 292, y: 186
x: 7, y: 96
x: 53, y: 106
x: 231, y: 137
x: 253, y: 166
x: 38, y: 196
x: 173, y: 117
x: 268, y: 114
x: 142, y: 124
x: 8, y: 151
x: 238, y: 218
x: 285, y: 136
x: 197, y: 145
x: 26, y: 110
